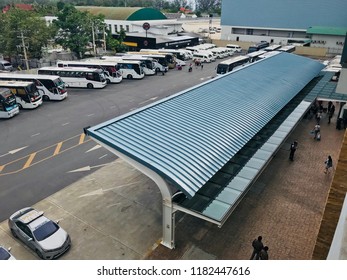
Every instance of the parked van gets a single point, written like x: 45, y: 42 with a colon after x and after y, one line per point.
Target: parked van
x: 202, y: 57
x: 209, y: 53
x: 219, y: 53
x: 5, y: 65
x: 236, y: 48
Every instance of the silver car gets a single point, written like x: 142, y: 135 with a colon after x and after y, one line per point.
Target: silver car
x: 41, y: 234
x: 5, y: 254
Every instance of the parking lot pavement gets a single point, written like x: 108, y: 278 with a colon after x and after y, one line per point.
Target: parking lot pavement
x: 114, y: 213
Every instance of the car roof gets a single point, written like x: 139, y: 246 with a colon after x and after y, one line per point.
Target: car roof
x: 41, y: 220
x: 30, y: 216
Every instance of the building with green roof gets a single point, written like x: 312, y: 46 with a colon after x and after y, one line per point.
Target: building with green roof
x: 162, y: 32
x: 329, y: 37
x: 124, y: 13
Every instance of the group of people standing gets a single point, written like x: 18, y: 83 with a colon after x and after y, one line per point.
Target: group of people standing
x: 260, y: 252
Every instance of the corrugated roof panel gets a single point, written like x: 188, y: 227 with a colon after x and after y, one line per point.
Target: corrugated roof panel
x: 188, y: 137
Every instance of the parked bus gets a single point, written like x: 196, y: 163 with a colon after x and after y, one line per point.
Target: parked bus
x: 273, y: 47
x: 147, y: 63
x: 111, y: 72
x: 51, y: 87
x: 130, y: 69
x: 231, y: 63
x: 258, y: 47
x: 288, y: 48
x: 27, y: 94
x: 268, y: 54
x: 171, y: 61
x: 77, y: 76
x: 180, y: 54
x: 187, y: 53
x: 254, y: 56
x: 8, y: 105
x: 160, y: 61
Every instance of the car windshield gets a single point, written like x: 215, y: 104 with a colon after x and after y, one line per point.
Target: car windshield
x: 4, y: 255
x: 45, y: 230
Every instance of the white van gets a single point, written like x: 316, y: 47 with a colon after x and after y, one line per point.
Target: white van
x: 219, y: 53
x: 209, y: 53
x: 202, y: 57
x: 236, y: 48
x: 5, y: 65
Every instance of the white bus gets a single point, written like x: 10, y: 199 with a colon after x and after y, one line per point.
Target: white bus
x: 51, y: 87
x: 180, y: 54
x: 27, y: 94
x: 160, y: 61
x: 288, y: 48
x: 272, y: 48
x: 231, y: 64
x: 147, y: 63
x: 130, y: 69
x: 8, y: 105
x: 77, y: 76
x: 170, y: 58
x: 254, y: 56
x: 111, y: 72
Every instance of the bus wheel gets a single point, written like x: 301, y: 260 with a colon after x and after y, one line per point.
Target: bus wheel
x: 129, y: 77
x: 20, y: 106
x: 90, y: 86
x: 45, y: 98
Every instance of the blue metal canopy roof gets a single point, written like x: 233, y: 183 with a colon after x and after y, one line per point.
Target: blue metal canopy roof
x: 188, y: 137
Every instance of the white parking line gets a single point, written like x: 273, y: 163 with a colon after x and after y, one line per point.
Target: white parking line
x: 35, y: 134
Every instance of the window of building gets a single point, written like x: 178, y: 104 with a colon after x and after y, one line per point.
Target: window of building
x: 249, y: 31
x: 115, y: 28
x: 127, y: 28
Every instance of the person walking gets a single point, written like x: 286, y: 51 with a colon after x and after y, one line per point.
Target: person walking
x: 293, y: 148
x: 264, y: 255
x: 316, y: 131
x: 257, y: 245
x: 331, y: 112
x: 202, y: 66
x: 328, y: 164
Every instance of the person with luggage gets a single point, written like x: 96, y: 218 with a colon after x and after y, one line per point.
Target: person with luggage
x: 328, y: 164
x: 316, y: 132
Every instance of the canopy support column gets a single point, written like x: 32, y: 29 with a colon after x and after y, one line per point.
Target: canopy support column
x: 168, y: 211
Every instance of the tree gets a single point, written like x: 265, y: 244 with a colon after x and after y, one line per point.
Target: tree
x: 74, y: 29
x: 27, y: 24
x: 208, y: 6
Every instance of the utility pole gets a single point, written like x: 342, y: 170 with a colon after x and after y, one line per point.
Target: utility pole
x: 104, y: 30
x: 94, y: 49
x: 24, y: 50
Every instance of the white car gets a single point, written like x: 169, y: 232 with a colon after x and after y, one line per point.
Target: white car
x: 45, y: 237
x: 5, y: 254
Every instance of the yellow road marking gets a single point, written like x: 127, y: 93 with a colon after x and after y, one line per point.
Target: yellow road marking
x: 29, y: 161
x: 57, y: 149
x: 56, y: 152
x: 81, y: 138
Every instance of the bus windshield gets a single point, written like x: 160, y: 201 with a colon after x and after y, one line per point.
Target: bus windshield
x: 32, y: 91
x: 9, y: 99
x: 222, y: 69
